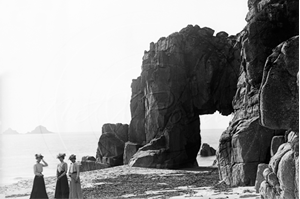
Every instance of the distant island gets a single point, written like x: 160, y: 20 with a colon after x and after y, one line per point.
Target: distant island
x: 39, y: 130
x: 10, y: 131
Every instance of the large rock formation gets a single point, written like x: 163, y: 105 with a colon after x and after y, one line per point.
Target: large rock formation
x: 40, y: 130
x: 111, y: 144
x: 187, y: 74
x: 246, y: 142
x: 282, y: 112
x: 192, y: 72
x: 207, y: 150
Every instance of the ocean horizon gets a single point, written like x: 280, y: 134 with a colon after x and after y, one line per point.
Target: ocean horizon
x: 17, y: 151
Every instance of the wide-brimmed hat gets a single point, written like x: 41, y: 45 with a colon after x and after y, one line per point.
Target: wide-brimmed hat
x: 72, y: 157
x: 39, y: 156
x: 61, y: 155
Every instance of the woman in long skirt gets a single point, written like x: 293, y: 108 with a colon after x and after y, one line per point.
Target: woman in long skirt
x: 75, y: 186
x: 39, y: 188
x: 62, y: 186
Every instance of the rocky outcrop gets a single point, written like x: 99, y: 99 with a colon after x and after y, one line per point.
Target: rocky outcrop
x: 269, y: 24
x: 111, y: 144
x: 207, y: 150
x: 280, y: 84
x: 187, y: 74
x: 10, y: 131
x: 40, y: 130
x: 280, y: 78
x: 280, y: 177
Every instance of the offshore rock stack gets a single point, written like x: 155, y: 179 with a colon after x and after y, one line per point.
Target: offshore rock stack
x: 193, y: 72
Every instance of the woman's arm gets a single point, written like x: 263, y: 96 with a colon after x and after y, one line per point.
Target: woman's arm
x: 45, y: 163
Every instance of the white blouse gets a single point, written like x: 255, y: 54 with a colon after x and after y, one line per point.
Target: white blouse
x: 38, y: 169
x: 73, y: 167
x: 62, y: 167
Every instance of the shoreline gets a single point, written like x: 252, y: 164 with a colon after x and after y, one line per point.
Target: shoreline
x: 136, y: 182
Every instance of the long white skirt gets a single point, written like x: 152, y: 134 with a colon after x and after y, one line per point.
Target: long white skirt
x: 75, y: 188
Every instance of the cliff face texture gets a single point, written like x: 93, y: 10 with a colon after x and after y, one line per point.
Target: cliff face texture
x: 253, y: 75
x: 266, y: 100
x: 187, y: 74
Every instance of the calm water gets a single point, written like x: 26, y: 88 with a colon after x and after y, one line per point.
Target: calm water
x: 17, y: 151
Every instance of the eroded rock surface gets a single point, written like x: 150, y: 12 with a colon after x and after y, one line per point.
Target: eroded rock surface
x: 111, y: 144
x: 269, y: 24
x: 189, y: 73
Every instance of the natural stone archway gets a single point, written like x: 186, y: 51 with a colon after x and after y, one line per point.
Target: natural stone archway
x: 185, y: 75
x: 192, y: 72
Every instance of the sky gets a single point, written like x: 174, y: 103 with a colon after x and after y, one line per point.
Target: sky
x: 68, y: 65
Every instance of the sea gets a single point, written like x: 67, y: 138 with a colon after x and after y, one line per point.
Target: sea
x: 17, y: 151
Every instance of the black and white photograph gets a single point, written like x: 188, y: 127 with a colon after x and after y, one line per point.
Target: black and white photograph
x: 135, y: 99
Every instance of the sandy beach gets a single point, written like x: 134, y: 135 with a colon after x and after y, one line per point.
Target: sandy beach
x: 135, y: 182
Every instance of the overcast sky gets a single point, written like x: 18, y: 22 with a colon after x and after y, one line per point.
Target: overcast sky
x: 68, y: 65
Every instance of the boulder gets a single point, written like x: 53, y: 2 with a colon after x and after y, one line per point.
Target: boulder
x: 207, y: 150
x: 86, y: 158
x: 274, y: 162
x: 111, y: 144
x: 259, y: 176
x: 151, y: 154
x: 129, y: 150
x: 280, y: 84
x: 286, y: 175
x: 90, y: 165
x: 276, y: 142
x: 245, y: 143
x: 267, y: 192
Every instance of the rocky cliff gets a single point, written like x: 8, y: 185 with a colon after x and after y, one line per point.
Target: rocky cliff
x: 193, y: 72
x: 266, y: 100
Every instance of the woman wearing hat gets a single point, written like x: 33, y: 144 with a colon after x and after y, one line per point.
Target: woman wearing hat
x: 75, y: 186
x: 62, y: 186
x: 39, y: 188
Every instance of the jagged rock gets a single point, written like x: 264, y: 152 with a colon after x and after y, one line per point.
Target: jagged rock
x: 111, y: 144
x: 90, y: 165
x: 244, y: 174
x: 269, y: 24
x: 207, y: 150
x: 267, y: 192
x: 151, y: 155
x: 136, y: 132
x: 286, y: 175
x: 184, y: 75
x: 243, y: 143
x: 259, y: 176
x: 88, y: 158
x: 272, y: 179
x: 129, y: 150
x: 280, y: 84
x: 274, y: 162
x: 276, y: 142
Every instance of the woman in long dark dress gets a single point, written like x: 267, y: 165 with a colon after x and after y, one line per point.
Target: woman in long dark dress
x: 39, y: 188
x: 62, y: 186
x: 75, y: 186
